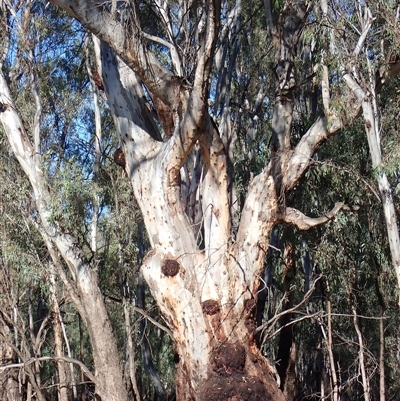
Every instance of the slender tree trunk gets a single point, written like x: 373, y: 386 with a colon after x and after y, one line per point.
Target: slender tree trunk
x: 361, y: 352
x: 382, y: 353
x: 71, y: 365
x: 62, y: 377
x: 382, y: 391
x: 111, y: 385
x: 9, y: 379
x: 266, y: 282
x: 145, y: 346
x: 35, y: 331
x: 9, y: 383
x: 147, y: 359
x: 286, y: 351
x: 329, y: 346
x: 130, y: 350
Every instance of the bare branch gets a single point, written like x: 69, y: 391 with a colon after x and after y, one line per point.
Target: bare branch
x: 354, y: 86
x: 163, y: 8
x: 97, y: 147
x: 326, y: 98
x: 323, y: 128
x: 291, y: 323
x: 85, y: 370
x: 303, y: 222
x: 271, y: 322
x: 157, y: 39
x: 150, y: 319
x: 38, y: 112
x: 367, y: 21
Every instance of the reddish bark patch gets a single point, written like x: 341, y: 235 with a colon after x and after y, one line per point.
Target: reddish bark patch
x: 119, y: 158
x: 210, y: 307
x: 234, y: 388
x: 250, y: 306
x: 97, y: 79
x: 249, y: 318
x: 170, y: 268
x: 165, y: 115
x: 229, y: 358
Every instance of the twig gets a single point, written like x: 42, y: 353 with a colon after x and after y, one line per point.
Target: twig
x: 272, y: 321
x: 30, y: 361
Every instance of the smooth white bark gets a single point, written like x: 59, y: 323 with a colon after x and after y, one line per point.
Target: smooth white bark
x: 372, y: 130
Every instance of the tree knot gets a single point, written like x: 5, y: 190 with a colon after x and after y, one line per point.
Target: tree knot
x: 170, y: 268
x: 119, y: 158
x: 210, y: 307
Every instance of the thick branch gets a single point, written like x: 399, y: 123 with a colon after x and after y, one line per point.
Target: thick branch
x: 207, y: 47
x: 38, y: 113
x: 214, y: 197
x: 319, y: 132
x: 152, y: 167
x: 326, y: 97
x: 367, y: 22
x: 125, y: 38
x: 303, y: 222
x: 192, y: 108
x: 271, y: 21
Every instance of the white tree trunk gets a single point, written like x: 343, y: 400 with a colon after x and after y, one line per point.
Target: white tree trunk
x: 206, y: 295
x: 371, y: 124
x: 111, y: 385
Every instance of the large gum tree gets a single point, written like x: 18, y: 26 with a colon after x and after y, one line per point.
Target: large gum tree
x: 203, y: 270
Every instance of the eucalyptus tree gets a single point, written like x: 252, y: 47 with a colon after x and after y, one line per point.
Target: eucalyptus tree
x: 22, y: 332
x: 169, y: 70
x: 37, y: 67
x: 367, y: 56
